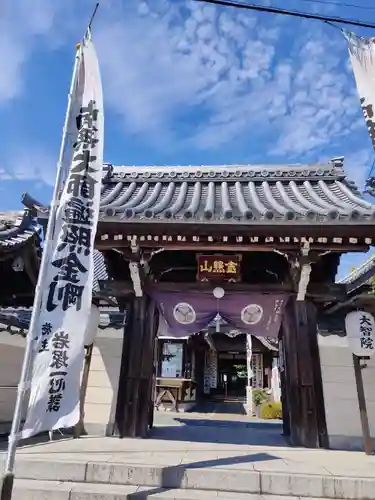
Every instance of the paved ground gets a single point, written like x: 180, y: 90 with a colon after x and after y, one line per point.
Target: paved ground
x: 232, y: 408
x: 201, y: 441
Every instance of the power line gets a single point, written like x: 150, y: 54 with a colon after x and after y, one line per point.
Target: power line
x: 294, y: 13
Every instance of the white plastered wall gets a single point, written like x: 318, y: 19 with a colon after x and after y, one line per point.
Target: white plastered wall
x: 340, y: 393
x: 101, y: 396
x: 12, y: 348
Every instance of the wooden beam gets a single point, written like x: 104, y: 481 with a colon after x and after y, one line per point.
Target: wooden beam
x: 318, y: 291
x: 235, y: 287
x: 194, y: 247
x: 122, y: 228
x: 115, y: 288
x: 327, y: 291
x: 358, y: 301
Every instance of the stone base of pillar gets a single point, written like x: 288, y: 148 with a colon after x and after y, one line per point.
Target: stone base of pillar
x: 249, y: 400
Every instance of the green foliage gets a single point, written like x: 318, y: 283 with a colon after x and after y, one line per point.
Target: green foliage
x: 271, y: 411
x: 259, y: 396
x: 241, y: 370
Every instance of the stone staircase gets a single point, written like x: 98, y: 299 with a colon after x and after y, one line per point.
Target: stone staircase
x: 69, y: 479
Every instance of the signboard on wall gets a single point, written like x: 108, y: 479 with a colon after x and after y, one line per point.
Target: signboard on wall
x: 360, y: 330
x: 172, y: 358
x: 219, y: 267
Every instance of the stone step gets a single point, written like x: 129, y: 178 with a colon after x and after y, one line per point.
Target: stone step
x: 187, y: 477
x: 29, y: 489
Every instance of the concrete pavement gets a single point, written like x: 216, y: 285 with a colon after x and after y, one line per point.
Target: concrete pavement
x: 188, y: 455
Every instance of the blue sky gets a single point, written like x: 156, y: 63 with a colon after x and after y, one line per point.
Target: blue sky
x: 184, y: 83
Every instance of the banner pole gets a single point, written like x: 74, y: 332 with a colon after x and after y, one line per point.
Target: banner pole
x: 8, y: 477
x: 367, y: 440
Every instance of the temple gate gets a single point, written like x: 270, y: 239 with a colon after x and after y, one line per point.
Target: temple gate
x: 287, y: 225
x: 285, y: 228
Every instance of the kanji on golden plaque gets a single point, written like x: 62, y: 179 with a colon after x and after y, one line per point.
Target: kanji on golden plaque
x: 231, y: 267
x: 219, y: 266
x: 205, y: 268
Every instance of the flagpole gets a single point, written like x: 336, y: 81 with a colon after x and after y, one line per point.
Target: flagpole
x: 23, y: 386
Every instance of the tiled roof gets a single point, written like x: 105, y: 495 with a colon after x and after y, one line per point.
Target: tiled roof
x: 16, y: 228
x: 360, y: 276
x: 247, y: 194
x: 17, y: 321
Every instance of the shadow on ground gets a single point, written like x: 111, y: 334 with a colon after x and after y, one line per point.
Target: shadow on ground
x: 203, y: 430
x: 173, y: 477
x: 224, y: 408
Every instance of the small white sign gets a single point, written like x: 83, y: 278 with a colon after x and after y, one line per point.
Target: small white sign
x: 360, y: 329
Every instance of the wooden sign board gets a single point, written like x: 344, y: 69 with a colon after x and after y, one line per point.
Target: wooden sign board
x: 219, y: 267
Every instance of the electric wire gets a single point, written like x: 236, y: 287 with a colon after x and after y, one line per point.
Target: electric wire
x: 286, y: 12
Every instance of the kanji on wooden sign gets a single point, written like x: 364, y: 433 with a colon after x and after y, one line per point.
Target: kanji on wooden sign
x: 219, y: 267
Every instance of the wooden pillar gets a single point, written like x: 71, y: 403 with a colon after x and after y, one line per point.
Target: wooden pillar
x: 147, y: 374
x: 136, y: 377
x: 303, y: 383
x: 291, y: 374
x: 308, y: 432
x: 284, y: 392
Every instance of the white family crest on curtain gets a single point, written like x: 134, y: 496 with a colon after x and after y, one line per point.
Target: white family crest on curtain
x: 362, y: 57
x: 360, y: 331
x: 67, y: 291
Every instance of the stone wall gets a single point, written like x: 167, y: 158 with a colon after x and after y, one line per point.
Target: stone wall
x: 340, y: 394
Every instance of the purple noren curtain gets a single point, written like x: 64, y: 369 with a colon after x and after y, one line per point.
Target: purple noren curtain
x: 189, y: 312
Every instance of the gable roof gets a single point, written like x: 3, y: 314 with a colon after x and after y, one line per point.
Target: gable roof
x: 17, y: 229
x: 247, y: 194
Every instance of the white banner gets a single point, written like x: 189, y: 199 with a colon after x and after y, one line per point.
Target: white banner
x: 67, y: 291
x: 362, y: 56
x: 249, y: 355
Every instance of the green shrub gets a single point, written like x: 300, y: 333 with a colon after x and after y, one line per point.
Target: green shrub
x: 271, y: 411
x: 259, y: 396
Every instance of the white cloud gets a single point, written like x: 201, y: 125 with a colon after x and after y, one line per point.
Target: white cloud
x: 32, y: 164
x: 23, y: 26
x: 164, y: 62
x: 199, y: 76
x: 4, y: 175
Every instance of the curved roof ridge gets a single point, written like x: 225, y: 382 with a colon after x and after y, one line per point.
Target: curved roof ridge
x: 368, y: 264
x: 219, y: 168
x: 16, y: 228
